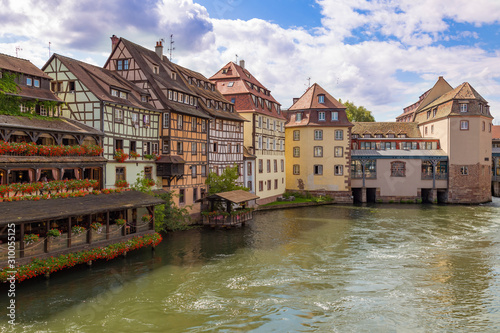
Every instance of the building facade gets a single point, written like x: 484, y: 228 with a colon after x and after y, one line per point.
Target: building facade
x: 105, y: 101
x: 317, y: 139
x: 184, y: 125
x: 264, y: 133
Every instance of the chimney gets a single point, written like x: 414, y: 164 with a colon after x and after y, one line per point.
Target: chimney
x: 114, y: 42
x: 242, y: 63
x: 159, y: 49
x: 295, y: 100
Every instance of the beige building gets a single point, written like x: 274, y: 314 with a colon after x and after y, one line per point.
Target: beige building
x: 317, y: 139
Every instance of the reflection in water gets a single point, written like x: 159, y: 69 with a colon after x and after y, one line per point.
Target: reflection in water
x: 404, y: 268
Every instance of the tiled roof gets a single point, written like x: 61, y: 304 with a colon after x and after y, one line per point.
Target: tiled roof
x: 234, y: 81
x: 36, y: 93
x: 495, y: 132
x: 100, y: 80
x: 399, y: 153
x: 20, y: 66
x: 410, y: 128
x: 309, y: 100
x: 161, y: 80
x: 208, y: 94
x: 54, y: 124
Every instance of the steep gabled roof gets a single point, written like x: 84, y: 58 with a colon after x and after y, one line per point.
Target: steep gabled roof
x: 309, y: 100
x: 161, y: 80
x: 462, y: 92
x: 19, y: 65
x: 208, y: 94
x: 100, y: 81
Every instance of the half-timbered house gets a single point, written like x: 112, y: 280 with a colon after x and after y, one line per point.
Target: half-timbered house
x: 225, y: 146
x: 184, y: 125
x: 264, y: 132
x: 105, y: 101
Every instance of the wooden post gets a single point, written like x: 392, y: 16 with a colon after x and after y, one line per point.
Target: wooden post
x: 21, y: 241
x: 69, y: 232
x: 89, y: 232
x: 107, y: 224
x: 46, y: 245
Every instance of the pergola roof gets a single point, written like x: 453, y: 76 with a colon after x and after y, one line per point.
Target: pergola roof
x: 33, y: 211
x: 237, y: 196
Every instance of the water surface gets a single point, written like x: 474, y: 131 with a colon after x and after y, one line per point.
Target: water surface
x: 385, y: 268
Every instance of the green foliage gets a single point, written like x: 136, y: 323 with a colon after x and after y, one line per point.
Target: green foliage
x: 167, y: 216
x: 357, y: 113
x: 225, y: 182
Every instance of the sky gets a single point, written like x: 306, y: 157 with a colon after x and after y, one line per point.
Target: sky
x: 381, y: 54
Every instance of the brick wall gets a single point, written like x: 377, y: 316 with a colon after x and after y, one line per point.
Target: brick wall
x: 473, y: 188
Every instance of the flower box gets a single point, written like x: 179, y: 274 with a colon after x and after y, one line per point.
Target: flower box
x: 98, y: 235
x: 34, y: 249
x: 79, y: 239
x: 57, y: 243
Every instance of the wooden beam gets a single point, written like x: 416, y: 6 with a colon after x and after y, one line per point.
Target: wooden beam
x: 69, y: 232
x: 107, y: 224
x: 21, y: 241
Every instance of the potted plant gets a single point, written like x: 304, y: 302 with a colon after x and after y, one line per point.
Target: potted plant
x: 31, y: 238
x: 120, y: 156
x: 120, y: 222
x: 53, y: 233
x: 77, y: 229
x: 121, y: 183
x: 97, y: 227
x: 146, y: 218
x: 134, y: 154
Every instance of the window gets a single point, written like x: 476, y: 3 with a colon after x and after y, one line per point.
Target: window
x: 148, y: 172
x: 398, y: 169
x: 425, y: 130
x: 275, y: 166
x: 173, y: 76
x: 282, y: 165
x: 133, y: 146
x: 318, y: 151
x: 146, y: 148
x: 275, y: 184
x: 230, y: 84
x: 215, y: 147
x: 195, y: 194
x: 339, y: 151
x: 463, y: 107
x: 233, y: 100
x: 296, y: 169
x: 179, y: 122
x: 428, y: 114
x: 23, y: 108
x: 145, y: 120
x: 432, y: 129
x: 144, y: 98
x: 484, y: 126
x: 296, y: 135
x: 249, y: 168
x: 321, y: 99
x: 259, y: 122
x: 261, y: 166
x: 203, y: 170
x: 193, y: 171
x: 29, y: 81
x: 166, y: 120
x: 318, y: 134
x: 335, y: 116
x: 118, y: 144
x: 194, y: 147
x: 170, y: 94
x: 261, y: 186
x: 203, y: 148
x: 71, y: 85
x: 296, y: 151
x: 489, y: 129
x: 249, y: 185
x: 229, y: 148
x: 464, y: 170
x: 36, y: 83
x: 269, y: 185
x: 166, y: 146
x: 464, y: 125
x: 182, y: 194
x: 268, y: 166
x: 193, y: 124
x: 321, y: 116
x: 43, y: 111
x: 339, y: 135
x: 154, y: 147
x: 175, y: 95
x: 318, y: 169
x: 180, y: 148
x: 434, y: 111
x: 338, y: 170
x: 120, y: 173
x: 119, y: 115
x: 298, y: 117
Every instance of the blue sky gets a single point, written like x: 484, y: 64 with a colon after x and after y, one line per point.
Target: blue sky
x: 377, y: 53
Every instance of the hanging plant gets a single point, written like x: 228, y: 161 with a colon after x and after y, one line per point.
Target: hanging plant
x: 77, y: 229
x: 31, y: 238
x: 54, y: 233
x: 120, y: 222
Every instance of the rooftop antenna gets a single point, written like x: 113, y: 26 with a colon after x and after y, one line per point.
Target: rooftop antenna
x: 308, y: 82
x: 236, y: 59
x: 49, y: 49
x: 171, y: 48
x: 18, y: 48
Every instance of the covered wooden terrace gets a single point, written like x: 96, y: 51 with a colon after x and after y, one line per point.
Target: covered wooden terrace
x: 228, y: 200
x: 84, y: 223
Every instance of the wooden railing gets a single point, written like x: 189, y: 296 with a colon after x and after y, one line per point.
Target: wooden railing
x: 231, y: 220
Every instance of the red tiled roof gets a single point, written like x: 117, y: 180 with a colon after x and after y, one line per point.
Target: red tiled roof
x: 20, y: 66
x: 495, y: 132
x: 309, y: 100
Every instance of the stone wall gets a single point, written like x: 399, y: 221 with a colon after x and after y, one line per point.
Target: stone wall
x: 473, y: 188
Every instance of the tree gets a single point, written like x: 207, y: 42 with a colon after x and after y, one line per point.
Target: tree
x: 167, y: 216
x: 226, y: 182
x: 357, y: 113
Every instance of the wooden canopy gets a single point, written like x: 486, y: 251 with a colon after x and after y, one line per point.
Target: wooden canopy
x: 237, y: 196
x: 33, y: 211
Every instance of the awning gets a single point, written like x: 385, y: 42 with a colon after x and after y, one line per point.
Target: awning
x: 52, y: 209
x: 171, y: 159
x: 237, y: 196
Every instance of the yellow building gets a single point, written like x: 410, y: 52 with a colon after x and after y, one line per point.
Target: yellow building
x: 317, y: 146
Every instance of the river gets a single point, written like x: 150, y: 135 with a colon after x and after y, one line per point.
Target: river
x: 381, y: 268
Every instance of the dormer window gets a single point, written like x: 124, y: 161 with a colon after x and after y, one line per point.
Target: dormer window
x: 298, y: 117
x: 224, y: 71
x: 181, y: 97
x: 390, y: 135
x: 29, y: 81
x: 36, y: 83
x: 175, y: 95
x: 191, y: 100
x: 174, y: 76
x: 321, y: 99
x: 335, y: 116
x: 186, y: 99
x: 481, y: 108
x: 123, y: 95
x: 155, y: 69
x: 114, y: 92
x: 144, y: 98
x: 434, y: 111
x: 321, y: 116
x: 463, y: 107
